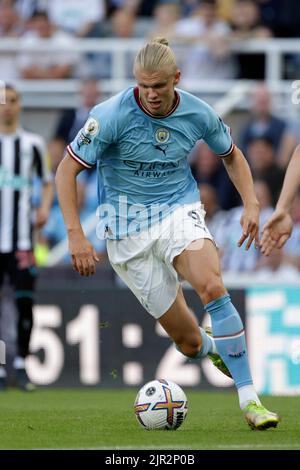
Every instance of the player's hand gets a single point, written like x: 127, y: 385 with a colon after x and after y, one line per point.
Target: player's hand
x: 83, y: 254
x: 250, y: 225
x: 41, y: 217
x: 276, y: 231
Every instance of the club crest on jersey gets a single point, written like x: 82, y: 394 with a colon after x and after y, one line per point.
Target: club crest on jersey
x: 91, y: 126
x: 162, y: 135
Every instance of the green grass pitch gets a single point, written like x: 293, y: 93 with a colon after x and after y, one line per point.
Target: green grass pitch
x: 104, y: 419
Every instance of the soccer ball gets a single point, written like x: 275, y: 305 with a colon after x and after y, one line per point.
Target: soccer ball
x: 160, y: 404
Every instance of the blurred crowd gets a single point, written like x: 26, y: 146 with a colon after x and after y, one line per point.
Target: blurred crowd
x: 207, y: 27
x: 267, y: 140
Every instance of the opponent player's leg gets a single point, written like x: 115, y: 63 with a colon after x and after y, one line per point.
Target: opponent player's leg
x: 201, y: 268
x: 24, y: 274
x: 3, y: 263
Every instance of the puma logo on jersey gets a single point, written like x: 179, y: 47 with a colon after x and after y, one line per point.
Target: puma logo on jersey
x: 161, y: 149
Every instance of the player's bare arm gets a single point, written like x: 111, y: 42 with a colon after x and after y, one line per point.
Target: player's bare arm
x: 82, y: 252
x: 279, y: 227
x: 240, y: 174
x: 44, y: 209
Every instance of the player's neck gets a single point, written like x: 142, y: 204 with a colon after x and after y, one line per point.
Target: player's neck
x: 8, y: 128
x: 172, y: 104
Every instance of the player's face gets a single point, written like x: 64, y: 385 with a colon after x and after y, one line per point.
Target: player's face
x: 156, y: 89
x: 10, y: 110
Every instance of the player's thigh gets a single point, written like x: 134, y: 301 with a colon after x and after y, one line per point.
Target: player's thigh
x: 151, y: 281
x: 3, y: 263
x: 200, y: 267
x: 10, y: 269
x: 179, y: 321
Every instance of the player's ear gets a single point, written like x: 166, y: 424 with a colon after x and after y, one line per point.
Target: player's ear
x: 177, y: 77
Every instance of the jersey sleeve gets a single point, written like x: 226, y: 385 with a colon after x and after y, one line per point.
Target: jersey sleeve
x: 91, y: 141
x: 217, y: 135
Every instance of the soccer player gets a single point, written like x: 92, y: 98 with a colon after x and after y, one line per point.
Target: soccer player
x: 279, y: 227
x: 155, y: 227
x: 22, y: 155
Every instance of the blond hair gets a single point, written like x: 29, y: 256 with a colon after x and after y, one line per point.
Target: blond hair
x: 156, y: 55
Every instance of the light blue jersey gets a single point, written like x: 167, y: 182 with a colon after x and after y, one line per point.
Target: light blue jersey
x: 142, y: 160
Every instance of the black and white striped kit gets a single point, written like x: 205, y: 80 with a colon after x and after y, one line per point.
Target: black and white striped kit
x: 22, y: 155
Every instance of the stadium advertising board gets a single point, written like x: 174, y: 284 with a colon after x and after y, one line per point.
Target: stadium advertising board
x: 105, y: 338
x: 273, y: 329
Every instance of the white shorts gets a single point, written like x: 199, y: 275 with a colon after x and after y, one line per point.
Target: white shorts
x: 145, y: 262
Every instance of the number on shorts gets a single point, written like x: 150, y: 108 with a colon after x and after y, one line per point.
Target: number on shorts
x: 197, y: 217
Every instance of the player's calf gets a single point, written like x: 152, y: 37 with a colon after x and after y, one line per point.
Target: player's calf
x: 190, y: 347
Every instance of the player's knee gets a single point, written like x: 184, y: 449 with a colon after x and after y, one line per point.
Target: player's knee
x: 211, y: 290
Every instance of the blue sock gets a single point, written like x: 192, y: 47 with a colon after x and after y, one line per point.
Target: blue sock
x: 229, y: 338
x: 207, y: 344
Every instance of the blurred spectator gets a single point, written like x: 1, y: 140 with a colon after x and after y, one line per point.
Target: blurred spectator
x: 207, y: 167
x: 166, y: 14
x: 276, y: 267
x: 10, y: 22
x: 261, y: 158
x: 292, y: 246
x: 264, y: 196
x: 289, y: 141
x: 246, y: 24
x: 146, y: 7
x: 140, y: 7
x: 214, y: 216
x: 235, y: 259
x: 225, y: 8
x: 46, y: 65
x: 123, y: 24
x: 55, y: 231
x: 70, y: 123
x: 72, y: 120
x: 188, y: 6
x: 210, y: 59
x: 246, y: 20
x: 282, y: 17
x: 113, y: 5
x: 26, y: 8
x: 75, y: 16
x: 10, y: 27
x: 262, y: 122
